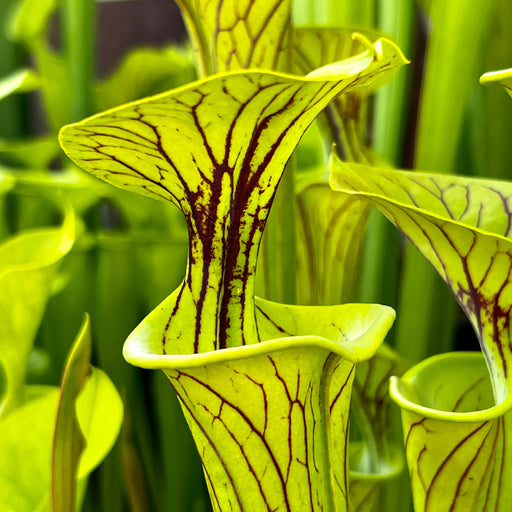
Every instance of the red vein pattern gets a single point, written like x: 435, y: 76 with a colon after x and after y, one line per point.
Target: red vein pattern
x: 458, y: 466
x: 372, y: 408
x: 330, y: 228
x: 263, y: 424
x: 344, y: 122
x: 463, y: 227
x: 239, y: 34
x: 216, y: 149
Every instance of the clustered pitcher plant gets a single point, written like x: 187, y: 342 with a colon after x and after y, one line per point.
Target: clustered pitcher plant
x: 250, y: 182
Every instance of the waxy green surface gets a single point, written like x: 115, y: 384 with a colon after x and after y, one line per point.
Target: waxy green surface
x: 456, y: 421
x: 463, y: 227
x: 233, y: 34
x: 217, y: 149
x: 330, y: 232
x: 270, y: 420
x: 38, y: 437
x: 456, y: 440
x: 503, y: 77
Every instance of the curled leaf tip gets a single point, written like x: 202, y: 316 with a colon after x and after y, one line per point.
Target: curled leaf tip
x: 357, y: 36
x: 492, y: 77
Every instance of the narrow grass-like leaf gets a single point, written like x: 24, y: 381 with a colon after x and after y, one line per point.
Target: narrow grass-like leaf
x: 503, y: 77
x: 33, y: 153
x: 26, y: 445
x: 68, y: 440
x: 29, y: 20
x: 23, y: 80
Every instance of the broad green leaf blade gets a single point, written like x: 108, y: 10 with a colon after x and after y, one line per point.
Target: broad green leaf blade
x: 68, y: 440
x: 503, y: 77
x: 263, y: 415
x: 456, y: 439
x: 28, y: 265
x: 330, y: 232
x: 99, y: 410
x: 216, y: 149
x: 234, y: 34
x: 33, y: 153
x: 463, y: 227
x: 26, y: 444
x: 23, y: 80
x: 29, y: 21
x: 25, y: 451
x: 7, y: 182
x: 144, y: 72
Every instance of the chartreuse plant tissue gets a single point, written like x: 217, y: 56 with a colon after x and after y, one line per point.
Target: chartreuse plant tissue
x: 50, y: 439
x: 456, y: 420
x: 265, y: 387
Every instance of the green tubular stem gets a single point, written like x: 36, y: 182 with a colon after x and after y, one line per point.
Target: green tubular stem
x: 379, y: 281
x: 278, y: 265
x: 428, y: 310
x: 78, y: 31
x: 13, y: 108
x: 288, y: 237
x: 380, y: 276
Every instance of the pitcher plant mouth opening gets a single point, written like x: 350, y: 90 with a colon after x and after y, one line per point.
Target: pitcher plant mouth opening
x: 270, y: 419
x: 412, y: 393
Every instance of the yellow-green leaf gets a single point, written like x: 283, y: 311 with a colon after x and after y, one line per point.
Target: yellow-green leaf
x: 344, y: 122
x: 28, y: 265
x: 23, y: 80
x: 456, y: 440
x: 463, y: 226
x: 330, y: 233
x: 263, y: 416
x: 27, y: 441
x: 217, y: 149
x: 238, y: 34
x: 377, y: 458
x: 68, y: 440
x: 503, y: 77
